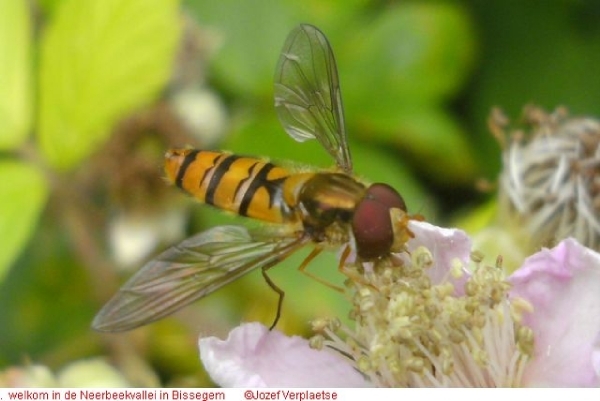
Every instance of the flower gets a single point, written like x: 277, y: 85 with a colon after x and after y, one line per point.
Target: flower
x: 562, y: 285
x: 438, y: 316
x: 549, y: 184
x: 253, y: 356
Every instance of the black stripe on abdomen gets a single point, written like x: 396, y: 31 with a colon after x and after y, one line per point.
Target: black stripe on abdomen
x: 272, y: 187
x: 220, y: 170
x: 189, y: 159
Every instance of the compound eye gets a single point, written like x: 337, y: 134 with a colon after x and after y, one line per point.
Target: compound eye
x: 371, y: 223
x: 386, y: 195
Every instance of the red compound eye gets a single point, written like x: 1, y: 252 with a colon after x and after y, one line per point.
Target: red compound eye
x: 386, y: 195
x: 371, y: 223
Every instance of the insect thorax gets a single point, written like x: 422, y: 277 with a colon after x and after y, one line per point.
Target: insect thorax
x: 327, y: 202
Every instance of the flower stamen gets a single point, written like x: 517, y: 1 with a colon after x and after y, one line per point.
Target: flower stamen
x: 410, y: 331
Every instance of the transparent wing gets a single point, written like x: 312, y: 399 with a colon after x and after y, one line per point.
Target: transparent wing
x: 189, y: 271
x: 307, y: 93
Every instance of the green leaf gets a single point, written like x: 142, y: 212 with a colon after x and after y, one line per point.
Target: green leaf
x: 100, y: 59
x: 433, y: 138
x: 48, y: 7
x: 415, y: 52
x: 15, y: 78
x: 251, y: 41
x: 23, y: 193
x: 430, y: 135
x: 548, y: 56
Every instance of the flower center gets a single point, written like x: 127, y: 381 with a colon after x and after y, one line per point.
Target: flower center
x: 412, y: 332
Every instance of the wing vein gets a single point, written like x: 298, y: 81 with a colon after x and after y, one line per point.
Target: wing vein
x: 307, y: 93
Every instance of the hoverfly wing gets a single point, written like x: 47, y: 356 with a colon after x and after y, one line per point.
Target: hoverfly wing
x: 307, y: 93
x: 189, y: 271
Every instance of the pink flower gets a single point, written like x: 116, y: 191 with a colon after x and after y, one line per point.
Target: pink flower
x: 434, y: 317
x: 253, y: 356
x: 563, y: 286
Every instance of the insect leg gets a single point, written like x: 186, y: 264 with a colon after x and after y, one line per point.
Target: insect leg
x: 316, y: 251
x: 353, y: 274
x: 277, y: 256
x: 343, y: 259
x: 278, y: 290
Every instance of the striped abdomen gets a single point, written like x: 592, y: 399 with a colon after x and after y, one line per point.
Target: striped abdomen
x: 243, y: 185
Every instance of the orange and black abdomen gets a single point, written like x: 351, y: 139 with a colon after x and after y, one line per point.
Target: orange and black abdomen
x: 243, y: 185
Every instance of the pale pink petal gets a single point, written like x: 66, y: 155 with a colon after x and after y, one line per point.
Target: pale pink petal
x: 446, y: 245
x: 253, y: 356
x: 563, y: 285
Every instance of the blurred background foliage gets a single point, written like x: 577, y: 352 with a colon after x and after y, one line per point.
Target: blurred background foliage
x: 92, y: 92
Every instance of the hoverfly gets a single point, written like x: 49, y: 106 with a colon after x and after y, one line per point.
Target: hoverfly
x: 327, y: 209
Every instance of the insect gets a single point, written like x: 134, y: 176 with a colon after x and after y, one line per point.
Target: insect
x: 327, y: 209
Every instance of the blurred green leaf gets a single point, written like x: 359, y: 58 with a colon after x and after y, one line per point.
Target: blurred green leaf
x: 412, y: 53
x: 23, y: 194
x: 49, y: 6
x: 547, y: 56
x: 252, y: 34
x: 432, y: 137
x: 401, y: 69
x: 15, y: 78
x: 44, y: 282
x: 97, y: 65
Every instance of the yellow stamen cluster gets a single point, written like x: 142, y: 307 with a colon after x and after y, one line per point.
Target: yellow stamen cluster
x: 410, y: 332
